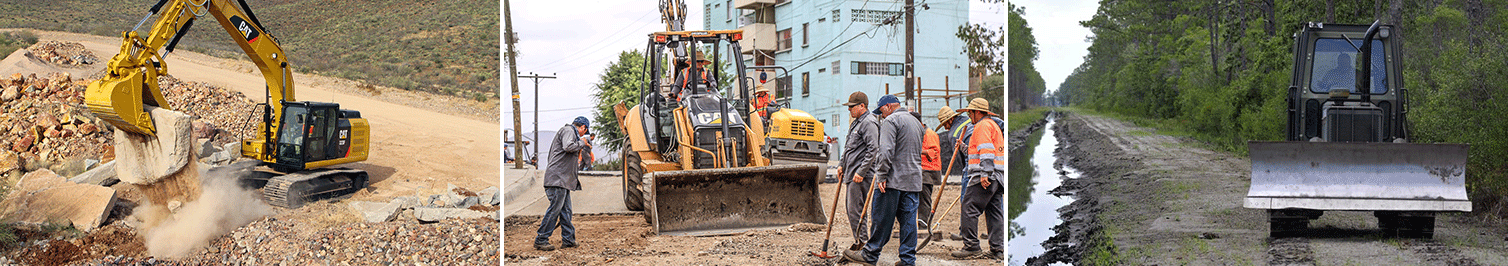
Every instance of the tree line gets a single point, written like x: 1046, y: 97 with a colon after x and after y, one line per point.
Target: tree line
x: 1219, y: 69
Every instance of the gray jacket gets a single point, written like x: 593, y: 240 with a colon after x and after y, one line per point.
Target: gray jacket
x: 898, y: 162
x: 561, y: 172
x: 858, y: 153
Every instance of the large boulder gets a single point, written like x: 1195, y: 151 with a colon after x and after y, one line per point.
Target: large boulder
x: 147, y: 159
x: 43, y: 196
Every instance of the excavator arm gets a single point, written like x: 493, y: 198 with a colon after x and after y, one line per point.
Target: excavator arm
x: 130, y: 82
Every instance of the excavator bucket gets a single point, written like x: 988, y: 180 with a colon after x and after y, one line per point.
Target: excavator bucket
x: 122, y: 101
x: 1358, y: 176
x: 732, y: 200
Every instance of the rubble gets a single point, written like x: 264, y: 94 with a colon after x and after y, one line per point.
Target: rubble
x: 376, y: 212
x: 104, y: 175
x: 62, y: 53
x: 43, y: 196
x: 427, y: 214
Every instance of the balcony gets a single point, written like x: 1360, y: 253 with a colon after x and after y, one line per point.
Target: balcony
x: 754, y: 4
x: 758, y: 36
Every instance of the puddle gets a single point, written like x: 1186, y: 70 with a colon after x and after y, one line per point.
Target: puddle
x: 1032, y: 211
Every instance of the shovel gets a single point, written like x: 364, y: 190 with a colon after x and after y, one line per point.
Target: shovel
x: 828, y: 239
x: 864, y: 217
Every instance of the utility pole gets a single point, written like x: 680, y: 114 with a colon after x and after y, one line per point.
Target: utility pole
x: 518, y: 136
x: 910, y: 49
x: 536, y: 108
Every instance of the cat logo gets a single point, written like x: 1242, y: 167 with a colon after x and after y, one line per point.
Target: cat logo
x: 250, y: 33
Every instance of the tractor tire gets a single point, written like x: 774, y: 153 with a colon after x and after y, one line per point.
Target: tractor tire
x: 633, y: 180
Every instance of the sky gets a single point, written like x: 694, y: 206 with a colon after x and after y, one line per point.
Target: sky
x: 1061, y: 41
x: 574, y: 40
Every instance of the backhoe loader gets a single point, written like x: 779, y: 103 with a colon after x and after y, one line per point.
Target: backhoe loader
x: 1347, y: 140
x: 692, y: 161
x: 295, y: 140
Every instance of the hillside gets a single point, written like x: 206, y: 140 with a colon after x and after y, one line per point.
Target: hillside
x: 447, y: 47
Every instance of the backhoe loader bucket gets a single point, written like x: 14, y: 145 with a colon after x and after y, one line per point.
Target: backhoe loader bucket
x: 1358, y: 176
x: 732, y: 200
x: 122, y: 101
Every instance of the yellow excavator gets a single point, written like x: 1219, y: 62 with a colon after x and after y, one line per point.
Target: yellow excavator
x: 692, y: 161
x: 296, y: 140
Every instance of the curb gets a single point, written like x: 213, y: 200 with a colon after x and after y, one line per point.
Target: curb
x: 518, y: 187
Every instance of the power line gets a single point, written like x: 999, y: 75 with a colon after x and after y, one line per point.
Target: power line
x: 636, y: 25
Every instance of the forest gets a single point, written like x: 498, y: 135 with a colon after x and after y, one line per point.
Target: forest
x: 1218, y: 70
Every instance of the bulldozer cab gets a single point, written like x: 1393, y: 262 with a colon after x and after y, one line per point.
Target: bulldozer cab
x: 1346, y: 145
x: 1326, y: 84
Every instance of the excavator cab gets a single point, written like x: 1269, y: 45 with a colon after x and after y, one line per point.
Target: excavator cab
x: 312, y: 133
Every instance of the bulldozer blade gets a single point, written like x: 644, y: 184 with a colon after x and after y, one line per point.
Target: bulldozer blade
x: 1358, y: 176
x: 733, y: 200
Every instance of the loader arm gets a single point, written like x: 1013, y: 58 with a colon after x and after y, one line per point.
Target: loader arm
x: 130, y: 81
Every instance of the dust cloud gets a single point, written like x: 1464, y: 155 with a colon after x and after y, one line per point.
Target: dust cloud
x: 223, y: 207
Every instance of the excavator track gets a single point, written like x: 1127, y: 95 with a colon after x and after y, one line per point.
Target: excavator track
x: 293, y: 190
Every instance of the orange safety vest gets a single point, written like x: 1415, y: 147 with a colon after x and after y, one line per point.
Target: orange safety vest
x: 986, y: 154
x: 931, y: 152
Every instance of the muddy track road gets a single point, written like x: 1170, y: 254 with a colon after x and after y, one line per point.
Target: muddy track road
x: 1163, y: 200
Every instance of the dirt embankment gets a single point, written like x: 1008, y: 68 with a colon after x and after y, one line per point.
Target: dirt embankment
x: 1146, y: 198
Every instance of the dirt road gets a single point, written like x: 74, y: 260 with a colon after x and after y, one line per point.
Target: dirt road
x: 414, y: 150
x: 629, y: 240
x: 1151, y: 199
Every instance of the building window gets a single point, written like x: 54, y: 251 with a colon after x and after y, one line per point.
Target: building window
x: 803, y: 35
x: 707, y: 20
x: 872, y: 16
x: 784, y: 87
x: 837, y: 70
x: 730, y: 10
x: 822, y: 70
x: 806, y: 84
x: 835, y: 15
x: 783, y: 39
x: 876, y: 68
x: 837, y: 123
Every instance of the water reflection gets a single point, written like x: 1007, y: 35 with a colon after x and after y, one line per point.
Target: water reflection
x: 1032, y: 211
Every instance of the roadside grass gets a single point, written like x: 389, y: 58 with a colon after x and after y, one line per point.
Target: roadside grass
x: 1024, y: 118
x: 1172, y: 127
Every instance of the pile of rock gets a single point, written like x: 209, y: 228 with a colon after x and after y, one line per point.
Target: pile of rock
x: 62, y: 53
x: 43, y: 120
x: 224, y: 116
x: 455, y: 202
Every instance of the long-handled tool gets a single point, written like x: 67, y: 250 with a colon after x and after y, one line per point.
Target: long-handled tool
x: 864, y: 217
x: 828, y: 239
x: 931, y: 217
x: 933, y: 226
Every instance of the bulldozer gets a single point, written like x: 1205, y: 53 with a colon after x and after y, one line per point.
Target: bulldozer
x: 1347, y: 141
x: 296, y: 142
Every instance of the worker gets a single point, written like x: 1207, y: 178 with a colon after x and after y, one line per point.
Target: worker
x: 560, y: 180
x: 931, y: 173
x: 586, y: 156
x: 762, y: 100
x: 897, y: 175
x: 955, y: 128
x: 683, y: 80
x: 984, y: 194
x: 858, y: 156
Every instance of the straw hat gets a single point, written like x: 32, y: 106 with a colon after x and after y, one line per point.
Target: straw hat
x: 760, y: 88
x: 979, y: 104
x: 944, y: 115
